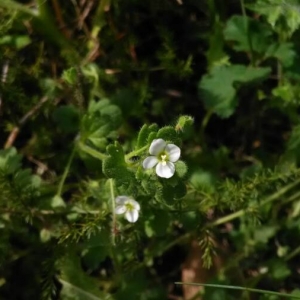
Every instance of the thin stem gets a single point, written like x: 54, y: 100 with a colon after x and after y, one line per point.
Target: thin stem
x: 241, y: 212
x: 232, y: 287
x: 228, y: 218
x: 281, y: 40
x: 113, y: 207
x: 247, y: 31
x: 180, y: 239
x: 91, y: 151
x: 204, y: 123
x: 135, y: 152
x: 44, y: 212
x: 294, y: 253
x: 206, y: 119
x: 14, y: 133
x: 113, y: 240
x: 65, y: 174
x: 117, y: 267
x: 81, y: 293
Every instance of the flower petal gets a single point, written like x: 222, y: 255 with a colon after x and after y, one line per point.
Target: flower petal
x: 165, y: 170
x: 132, y: 215
x: 120, y: 200
x: 150, y: 162
x: 157, y: 146
x: 120, y: 209
x: 173, y: 151
x: 134, y: 203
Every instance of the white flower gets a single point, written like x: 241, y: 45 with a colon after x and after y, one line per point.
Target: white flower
x: 127, y: 206
x: 163, y: 156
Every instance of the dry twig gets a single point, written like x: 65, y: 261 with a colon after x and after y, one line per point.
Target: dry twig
x: 14, y: 133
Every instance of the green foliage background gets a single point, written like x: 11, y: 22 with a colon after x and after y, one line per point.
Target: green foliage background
x: 87, y: 85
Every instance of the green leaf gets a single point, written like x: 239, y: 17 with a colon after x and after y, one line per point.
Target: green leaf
x: 169, y: 134
x: 100, y: 123
x: 264, y: 233
x: 76, y: 284
x: 24, y: 180
x: 293, y: 144
x: 151, y: 185
x: 98, y: 142
x: 172, y: 193
x: 143, y: 137
x: 272, y: 9
x: 296, y: 209
x: 183, y: 123
x: 96, y: 249
x: 181, y: 168
x: 248, y: 34
x: 179, y: 190
x: 57, y: 201
x: 217, y: 88
x: 70, y: 76
x: 157, y: 224
x: 296, y: 292
x: 10, y: 160
x: 215, y: 51
x: 188, y: 219
x: 13, y: 5
x: 279, y: 269
x: 114, y: 166
x: 292, y: 18
x: 203, y: 180
x: 45, y: 235
x: 19, y: 41
x: 284, y: 52
x: 135, y: 286
x: 277, y: 11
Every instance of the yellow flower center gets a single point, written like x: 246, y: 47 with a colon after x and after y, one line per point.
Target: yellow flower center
x: 163, y: 157
x: 129, y: 206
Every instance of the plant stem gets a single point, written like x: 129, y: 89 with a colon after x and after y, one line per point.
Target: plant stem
x: 241, y: 212
x: 294, y: 253
x: 228, y: 218
x: 206, y: 119
x: 232, y: 287
x: 113, y: 227
x: 204, y: 123
x: 65, y: 174
x: 91, y: 151
x: 246, y: 25
x: 136, y: 152
x: 112, y: 199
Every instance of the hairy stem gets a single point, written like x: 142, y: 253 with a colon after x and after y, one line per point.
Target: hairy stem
x: 135, y: 152
x: 232, y: 287
x: 113, y: 206
x: 65, y: 174
x: 91, y: 151
x: 241, y: 212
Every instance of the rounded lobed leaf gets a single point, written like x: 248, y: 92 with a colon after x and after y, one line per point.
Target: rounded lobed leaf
x: 181, y: 168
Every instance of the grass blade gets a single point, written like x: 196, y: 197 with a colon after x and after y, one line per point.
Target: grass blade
x: 233, y: 287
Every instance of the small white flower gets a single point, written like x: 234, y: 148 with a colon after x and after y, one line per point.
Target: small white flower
x: 163, y: 156
x: 129, y: 207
